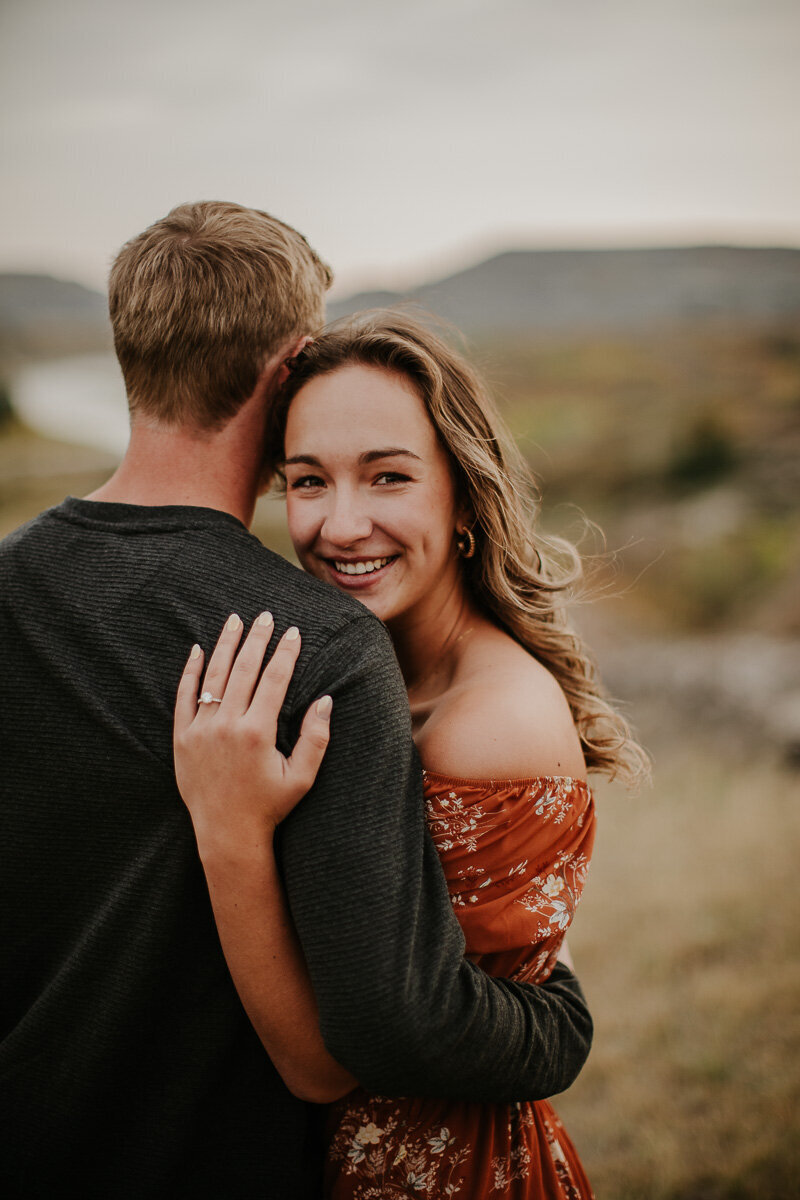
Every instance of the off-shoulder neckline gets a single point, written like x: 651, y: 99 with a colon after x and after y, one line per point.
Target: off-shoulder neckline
x: 461, y: 781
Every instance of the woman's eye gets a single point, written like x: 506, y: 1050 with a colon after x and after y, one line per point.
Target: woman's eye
x: 389, y: 477
x: 306, y: 482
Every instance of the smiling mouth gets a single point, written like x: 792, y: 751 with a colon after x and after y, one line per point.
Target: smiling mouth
x: 364, y: 567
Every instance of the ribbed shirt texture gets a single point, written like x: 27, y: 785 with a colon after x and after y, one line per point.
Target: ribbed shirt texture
x: 127, y: 1066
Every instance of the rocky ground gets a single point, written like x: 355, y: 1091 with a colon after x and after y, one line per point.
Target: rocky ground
x: 743, y: 687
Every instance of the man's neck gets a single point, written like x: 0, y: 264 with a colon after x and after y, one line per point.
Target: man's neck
x: 166, y: 465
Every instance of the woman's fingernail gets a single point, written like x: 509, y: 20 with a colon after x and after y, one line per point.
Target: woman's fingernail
x: 196, y: 652
x: 265, y: 619
x: 292, y: 633
x: 233, y: 622
x: 324, y: 706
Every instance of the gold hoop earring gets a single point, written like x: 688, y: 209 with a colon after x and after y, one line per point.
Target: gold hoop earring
x: 465, y: 543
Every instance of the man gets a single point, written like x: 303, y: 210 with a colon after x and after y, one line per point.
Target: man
x: 128, y: 1066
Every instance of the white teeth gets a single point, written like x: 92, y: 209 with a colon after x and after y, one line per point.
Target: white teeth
x: 361, y: 568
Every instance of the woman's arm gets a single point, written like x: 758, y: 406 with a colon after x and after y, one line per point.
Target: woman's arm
x: 399, y: 1006
x: 236, y: 799
x: 565, y: 957
x: 268, y: 969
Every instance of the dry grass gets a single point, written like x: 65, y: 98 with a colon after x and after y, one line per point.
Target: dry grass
x: 37, y: 472
x: 687, y: 944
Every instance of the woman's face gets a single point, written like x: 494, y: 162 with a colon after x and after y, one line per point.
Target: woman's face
x: 370, y: 495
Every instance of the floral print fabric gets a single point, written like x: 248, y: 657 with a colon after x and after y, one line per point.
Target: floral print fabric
x: 516, y: 856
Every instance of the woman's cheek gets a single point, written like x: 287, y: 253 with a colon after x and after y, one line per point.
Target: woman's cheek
x: 300, y: 527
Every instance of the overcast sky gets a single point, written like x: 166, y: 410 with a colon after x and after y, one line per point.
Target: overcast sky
x: 402, y: 138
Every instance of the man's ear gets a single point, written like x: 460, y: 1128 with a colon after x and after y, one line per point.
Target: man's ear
x: 299, y: 344
x: 294, y: 349
x: 276, y: 369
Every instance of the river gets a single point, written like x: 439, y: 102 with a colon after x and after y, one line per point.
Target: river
x: 79, y: 399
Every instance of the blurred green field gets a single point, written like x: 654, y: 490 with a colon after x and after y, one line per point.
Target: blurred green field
x: 37, y: 472
x: 684, y: 447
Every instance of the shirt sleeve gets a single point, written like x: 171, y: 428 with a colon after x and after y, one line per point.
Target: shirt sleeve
x: 400, y: 1006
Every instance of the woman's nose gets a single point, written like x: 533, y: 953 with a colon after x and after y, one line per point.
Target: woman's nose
x: 347, y: 521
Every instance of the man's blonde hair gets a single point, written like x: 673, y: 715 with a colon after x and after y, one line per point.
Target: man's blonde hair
x: 201, y: 300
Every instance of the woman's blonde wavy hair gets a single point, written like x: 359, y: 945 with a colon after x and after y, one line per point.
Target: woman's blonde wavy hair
x: 522, y: 582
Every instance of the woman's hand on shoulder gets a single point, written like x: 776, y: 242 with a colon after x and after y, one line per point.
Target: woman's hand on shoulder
x: 506, y: 724
x: 233, y: 779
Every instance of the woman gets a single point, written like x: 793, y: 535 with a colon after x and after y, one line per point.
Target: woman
x: 403, y: 490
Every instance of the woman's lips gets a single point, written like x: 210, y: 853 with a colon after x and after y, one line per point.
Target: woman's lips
x: 357, y: 573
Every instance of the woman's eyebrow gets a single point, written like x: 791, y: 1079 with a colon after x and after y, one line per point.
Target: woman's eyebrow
x: 392, y: 452
x: 302, y: 458
x: 369, y: 456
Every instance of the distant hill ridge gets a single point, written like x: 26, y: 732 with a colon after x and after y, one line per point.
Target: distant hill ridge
x: 561, y: 291
x: 26, y: 297
x: 517, y: 292
x: 41, y: 316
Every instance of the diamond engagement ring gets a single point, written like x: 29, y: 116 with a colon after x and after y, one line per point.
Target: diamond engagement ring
x: 207, y: 698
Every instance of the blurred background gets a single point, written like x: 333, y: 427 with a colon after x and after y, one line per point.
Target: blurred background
x: 605, y: 199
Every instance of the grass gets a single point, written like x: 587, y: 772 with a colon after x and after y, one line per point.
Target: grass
x: 684, y: 445
x: 687, y: 944
x: 37, y: 472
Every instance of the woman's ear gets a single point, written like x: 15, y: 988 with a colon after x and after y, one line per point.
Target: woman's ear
x: 465, y: 517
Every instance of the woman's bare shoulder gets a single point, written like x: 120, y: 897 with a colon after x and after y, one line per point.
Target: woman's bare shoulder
x: 506, y: 718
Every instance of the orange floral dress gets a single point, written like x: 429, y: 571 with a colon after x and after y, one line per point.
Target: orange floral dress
x: 516, y: 855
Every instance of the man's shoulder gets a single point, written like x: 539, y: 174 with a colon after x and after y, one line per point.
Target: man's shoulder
x: 343, y: 644
x: 260, y: 572
x: 187, y: 569
x: 30, y: 531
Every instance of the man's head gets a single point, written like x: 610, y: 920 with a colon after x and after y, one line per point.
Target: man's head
x: 201, y: 300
